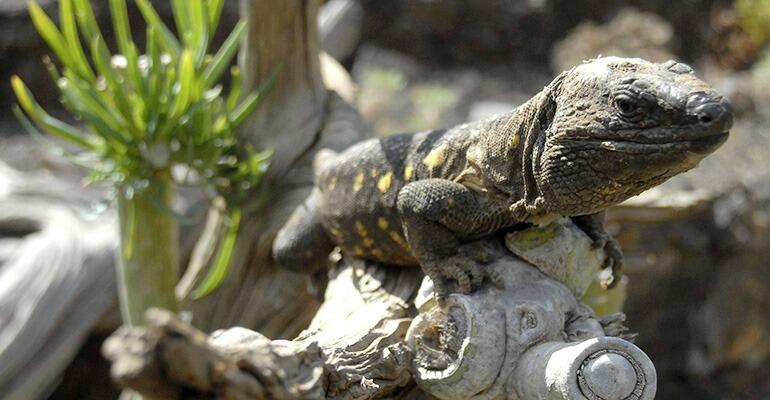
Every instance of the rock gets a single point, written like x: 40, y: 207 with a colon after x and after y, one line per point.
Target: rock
x: 630, y: 34
x: 502, y: 31
x: 608, y: 376
x: 473, y: 31
x: 401, y: 94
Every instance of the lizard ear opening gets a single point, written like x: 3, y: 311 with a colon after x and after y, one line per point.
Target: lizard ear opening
x: 544, y: 108
x: 504, y: 152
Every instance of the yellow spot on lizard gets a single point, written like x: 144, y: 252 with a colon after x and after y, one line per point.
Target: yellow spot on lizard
x: 361, y: 230
x: 358, y: 183
x: 384, y: 183
x: 332, y: 183
x: 337, y: 234
x: 358, y: 251
x: 436, y: 157
x: 368, y: 242
x: 382, y: 223
x: 377, y: 253
x: 515, y: 141
x: 374, y: 172
x: 398, y: 239
x: 408, y: 172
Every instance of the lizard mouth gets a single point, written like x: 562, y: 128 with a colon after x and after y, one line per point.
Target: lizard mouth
x: 708, y: 143
x: 635, y: 143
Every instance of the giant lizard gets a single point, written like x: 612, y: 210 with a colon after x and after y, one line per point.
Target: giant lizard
x: 597, y: 135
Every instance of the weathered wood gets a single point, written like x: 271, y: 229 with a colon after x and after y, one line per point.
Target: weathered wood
x: 377, y: 336
x: 283, y: 36
x: 340, y: 25
x: 56, y: 280
x: 355, y: 339
x: 300, y: 115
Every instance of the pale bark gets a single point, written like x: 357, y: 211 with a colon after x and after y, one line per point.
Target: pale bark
x: 300, y: 115
x: 378, y: 336
x: 58, y: 280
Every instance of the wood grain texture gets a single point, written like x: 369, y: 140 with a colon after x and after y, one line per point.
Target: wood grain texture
x: 301, y: 115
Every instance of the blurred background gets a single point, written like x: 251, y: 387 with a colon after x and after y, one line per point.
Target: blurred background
x: 697, y: 248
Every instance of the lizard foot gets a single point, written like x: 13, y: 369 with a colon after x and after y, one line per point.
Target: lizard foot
x: 613, y: 260
x: 522, y: 210
x: 593, y: 226
x: 480, y: 251
x: 460, y: 274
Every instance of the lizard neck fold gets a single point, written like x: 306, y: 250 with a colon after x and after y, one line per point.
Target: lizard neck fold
x: 506, y: 149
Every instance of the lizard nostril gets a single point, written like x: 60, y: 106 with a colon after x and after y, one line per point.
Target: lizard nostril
x: 709, y: 110
x: 709, y: 113
x: 705, y: 118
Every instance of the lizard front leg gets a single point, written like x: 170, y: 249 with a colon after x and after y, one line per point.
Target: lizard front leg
x: 593, y: 226
x: 435, y: 214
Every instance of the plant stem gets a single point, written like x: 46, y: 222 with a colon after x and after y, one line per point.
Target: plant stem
x: 148, y: 262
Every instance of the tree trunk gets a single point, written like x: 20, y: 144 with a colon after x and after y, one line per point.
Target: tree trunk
x: 57, y: 252
x: 300, y: 115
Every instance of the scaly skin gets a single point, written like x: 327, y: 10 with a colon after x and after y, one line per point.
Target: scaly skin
x: 598, y: 134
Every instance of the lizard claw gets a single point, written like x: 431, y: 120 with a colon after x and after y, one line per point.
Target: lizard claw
x: 478, y: 251
x: 496, y: 278
x: 599, y: 243
x: 613, y: 261
x: 460, y: 276
x: 467, y: 274
x: 593, y: 226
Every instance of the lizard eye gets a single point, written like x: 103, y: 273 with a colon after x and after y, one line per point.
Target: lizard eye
x: 627, y: 107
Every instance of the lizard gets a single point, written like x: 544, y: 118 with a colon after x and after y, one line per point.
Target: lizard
x: 598, y: 134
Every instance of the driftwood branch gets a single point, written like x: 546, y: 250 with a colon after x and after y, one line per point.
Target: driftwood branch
x: 307, y: 110
x: 378, y: 335
x: 56, y: 279
x: 56, y: 256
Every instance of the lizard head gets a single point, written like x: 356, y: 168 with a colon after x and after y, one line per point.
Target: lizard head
x: 620, y: 126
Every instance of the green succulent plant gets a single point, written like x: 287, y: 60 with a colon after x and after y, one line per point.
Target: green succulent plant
x: 147, y: 114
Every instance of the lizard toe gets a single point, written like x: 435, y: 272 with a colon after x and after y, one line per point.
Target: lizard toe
x: 480, y: 273
x: 436, y: 274
x: 480, y: 252
x: 608, y: 262
x: 476, y: 273
x: 614, y: 261
x: 495, y: 277
x: 599, y: 243
x: 456, y: 273
x: 440, y: 300
x: 608, y: 282
x: 616, y: 271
